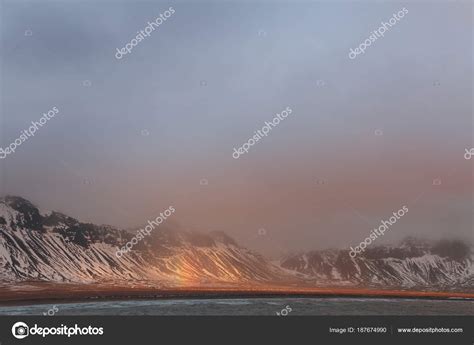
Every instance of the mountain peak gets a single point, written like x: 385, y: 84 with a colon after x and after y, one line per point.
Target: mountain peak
x: 24, y: 214
x: 17, y: 202
x: 222, y: 237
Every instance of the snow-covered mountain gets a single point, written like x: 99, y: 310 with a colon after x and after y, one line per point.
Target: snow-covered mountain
x: 55, y: 247
x: 50, y: 246
x: 414, y: 263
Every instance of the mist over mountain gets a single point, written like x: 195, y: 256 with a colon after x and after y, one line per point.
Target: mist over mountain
x: 413, y: 263
x: 51, y: 246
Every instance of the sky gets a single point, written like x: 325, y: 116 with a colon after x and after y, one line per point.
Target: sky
x: 158, y: 127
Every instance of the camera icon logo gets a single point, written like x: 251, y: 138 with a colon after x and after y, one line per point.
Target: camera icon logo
x: 20, y: 330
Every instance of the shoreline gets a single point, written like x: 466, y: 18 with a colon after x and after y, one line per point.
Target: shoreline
x: 42, y: 293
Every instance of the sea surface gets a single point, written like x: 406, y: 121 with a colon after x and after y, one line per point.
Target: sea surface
x: 252, y: 306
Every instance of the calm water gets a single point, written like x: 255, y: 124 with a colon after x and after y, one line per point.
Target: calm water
x: 257, y: 306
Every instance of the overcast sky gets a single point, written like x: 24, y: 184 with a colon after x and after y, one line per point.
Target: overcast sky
x: 158, y: 127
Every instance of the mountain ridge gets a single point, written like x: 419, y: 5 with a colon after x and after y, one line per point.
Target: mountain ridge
x: 57, y: 247
x: 53, y: 247
x: 415, y: 263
